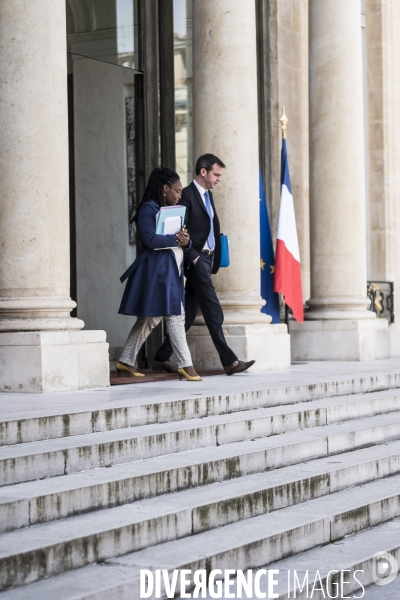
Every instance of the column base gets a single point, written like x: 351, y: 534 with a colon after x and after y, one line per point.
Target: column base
x: 340, y: 339
x: 54, y: 361
x: 268, y: 345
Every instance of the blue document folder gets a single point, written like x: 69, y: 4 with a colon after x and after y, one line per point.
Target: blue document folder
x: 169, y: 211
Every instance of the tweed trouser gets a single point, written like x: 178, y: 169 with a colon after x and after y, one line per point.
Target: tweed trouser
x: 142, y: 329
x: 200, y: 291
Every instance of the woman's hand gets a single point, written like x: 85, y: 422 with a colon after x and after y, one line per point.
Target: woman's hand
x: 182, y: 237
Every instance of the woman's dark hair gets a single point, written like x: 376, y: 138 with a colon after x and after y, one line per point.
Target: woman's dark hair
x: 154, y: 188
x: 207, y: 161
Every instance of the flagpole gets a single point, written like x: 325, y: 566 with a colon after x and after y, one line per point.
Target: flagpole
x: 284, y: 121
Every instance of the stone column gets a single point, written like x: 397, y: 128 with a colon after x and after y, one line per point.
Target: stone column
x: 41, y: 347
x: 225, y: 123
x: 339, y: 325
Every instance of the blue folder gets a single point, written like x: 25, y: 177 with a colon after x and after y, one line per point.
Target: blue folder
x: 225, y: 260
x: 169, y: 211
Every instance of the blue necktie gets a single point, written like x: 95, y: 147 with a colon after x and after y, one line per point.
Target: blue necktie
x: 211, y: 238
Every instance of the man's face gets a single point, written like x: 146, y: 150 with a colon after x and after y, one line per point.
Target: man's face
x: 212, y: 177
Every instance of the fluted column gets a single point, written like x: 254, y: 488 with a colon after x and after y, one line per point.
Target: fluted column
x: 225, y: 123
x: 337, y: 164
x: 34, y: 230
x: 41, y: 347
x: 339, y: 325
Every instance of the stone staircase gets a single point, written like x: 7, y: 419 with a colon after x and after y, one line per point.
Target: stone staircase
x: 297, y: 477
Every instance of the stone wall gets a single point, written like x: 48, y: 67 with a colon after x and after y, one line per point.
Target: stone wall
x: 383, y: 99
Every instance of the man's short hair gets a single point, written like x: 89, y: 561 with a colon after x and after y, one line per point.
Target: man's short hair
x: 206, y: 161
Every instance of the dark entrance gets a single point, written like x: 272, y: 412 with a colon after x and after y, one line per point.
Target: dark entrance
x: 121, y: 106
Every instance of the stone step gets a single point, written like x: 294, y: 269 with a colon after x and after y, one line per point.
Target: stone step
x: 384, y: 592
x: 45, y: 550
x: 35, y: 460
x: 353, y: 555
x: 66, y: 418
x: 113, y: 580
x: 42, y: 501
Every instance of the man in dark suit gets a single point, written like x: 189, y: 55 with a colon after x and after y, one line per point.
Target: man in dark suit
x: 201, y: 260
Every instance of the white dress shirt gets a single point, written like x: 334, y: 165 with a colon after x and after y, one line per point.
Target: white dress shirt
x: 202, y: 191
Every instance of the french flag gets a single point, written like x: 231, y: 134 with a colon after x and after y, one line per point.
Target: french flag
x: 287, y: 279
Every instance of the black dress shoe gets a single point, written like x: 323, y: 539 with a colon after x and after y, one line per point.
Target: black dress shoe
x: 159, y: 365
x: 239, y: 366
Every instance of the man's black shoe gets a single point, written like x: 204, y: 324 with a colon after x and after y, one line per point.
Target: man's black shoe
x: 163, y: 366
x: 239, y: 366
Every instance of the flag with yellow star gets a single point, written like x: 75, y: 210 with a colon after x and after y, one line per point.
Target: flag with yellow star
x: 267, y: 261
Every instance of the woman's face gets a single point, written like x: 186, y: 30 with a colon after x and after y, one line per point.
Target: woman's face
x: 173, y: 193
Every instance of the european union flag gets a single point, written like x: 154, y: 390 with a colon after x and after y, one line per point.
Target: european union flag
x: 267, y: 261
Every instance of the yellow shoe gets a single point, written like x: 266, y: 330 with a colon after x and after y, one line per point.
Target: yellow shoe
x: 121, y: 368
x: 183, y: 374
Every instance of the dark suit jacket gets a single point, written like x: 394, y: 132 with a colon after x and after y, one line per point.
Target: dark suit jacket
x: 154, y: 287
x: 198, y: 225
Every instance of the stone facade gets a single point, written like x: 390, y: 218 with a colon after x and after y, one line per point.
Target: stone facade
x: 382, y: 19
x: 283, y: 29
x: 337, y: 193
x: 335, y: 67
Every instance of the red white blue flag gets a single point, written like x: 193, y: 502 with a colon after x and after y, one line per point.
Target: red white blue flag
x: 287, y: 280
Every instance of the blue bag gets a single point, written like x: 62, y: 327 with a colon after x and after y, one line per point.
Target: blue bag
x: 225, y: 260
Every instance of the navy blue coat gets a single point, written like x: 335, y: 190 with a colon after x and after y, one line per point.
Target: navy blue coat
x: 154, y: 287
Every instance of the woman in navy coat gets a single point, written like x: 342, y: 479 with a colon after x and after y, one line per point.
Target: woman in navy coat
x: 155, y: 280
